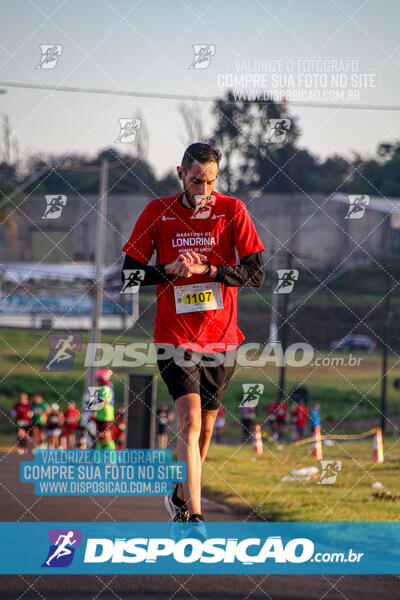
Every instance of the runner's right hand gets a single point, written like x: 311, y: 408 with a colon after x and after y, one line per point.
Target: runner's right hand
x: 180, y: 266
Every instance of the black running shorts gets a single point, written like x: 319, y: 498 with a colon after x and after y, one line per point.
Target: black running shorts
x: 209, y: 382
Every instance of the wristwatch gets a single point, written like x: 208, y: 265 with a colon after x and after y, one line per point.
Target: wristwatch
x: 209, y: 268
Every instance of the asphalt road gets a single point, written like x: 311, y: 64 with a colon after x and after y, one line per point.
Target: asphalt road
x: 19, y: 503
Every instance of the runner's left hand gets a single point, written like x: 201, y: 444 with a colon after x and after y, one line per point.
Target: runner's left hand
x: 197, y: 269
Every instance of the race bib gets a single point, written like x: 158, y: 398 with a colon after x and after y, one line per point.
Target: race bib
x: 22, y: 423
x: 198, y: 297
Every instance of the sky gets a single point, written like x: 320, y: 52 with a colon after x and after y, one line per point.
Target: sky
x: 147, y: 46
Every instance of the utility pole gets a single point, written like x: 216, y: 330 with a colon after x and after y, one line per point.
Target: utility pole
x: 94, y: 334
x: 24, y: 185
x: 284, y: 330
x: 273, y: 326
x: 386, y: 320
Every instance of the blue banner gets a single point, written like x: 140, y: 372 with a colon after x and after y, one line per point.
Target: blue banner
x: 103, y: 472
x: 236, y: 548
x: 61, y: 305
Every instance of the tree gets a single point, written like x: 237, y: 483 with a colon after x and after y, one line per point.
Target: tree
x: 193, y: 121
x: 379, y: 175
x: 227, y: 136
x: 8, y: 180
x: 332, y: 174
x: 80, y: 175
x: 253, y: 159
x: 7, y: 217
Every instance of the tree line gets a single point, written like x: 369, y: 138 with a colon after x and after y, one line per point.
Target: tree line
x: 251, y: 162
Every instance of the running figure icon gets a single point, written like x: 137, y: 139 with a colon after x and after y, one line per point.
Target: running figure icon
x: 329, y: 471
x: 63, y: 345
x: 287, y: 279
x: 357, y: 207
x: 50, y: 56
x: 62, y: 549
x: 132, y: 280
x: 54, y: 207
x: 251, y: 395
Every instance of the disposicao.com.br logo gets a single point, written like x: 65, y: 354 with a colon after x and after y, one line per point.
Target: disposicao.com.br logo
x: 190, y: 550
x: 220, y: 547
x: 250, y: 354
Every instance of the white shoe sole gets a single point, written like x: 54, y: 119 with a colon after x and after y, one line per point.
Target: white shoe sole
x: 169, y: 505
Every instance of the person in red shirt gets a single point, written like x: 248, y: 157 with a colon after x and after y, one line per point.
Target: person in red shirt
x: 281, y: 412
x: 71, y: 422
x: 22, y: 416
x: 118, y: 429
x: 271, y: 418
x: 195, y: 235
x: 301, y: 418
x: 220, y: 424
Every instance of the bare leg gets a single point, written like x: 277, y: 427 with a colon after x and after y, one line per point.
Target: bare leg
x: 207, y: 427
x: 162, y: 440
x: 35, y: 436
x: 71, y: 441
x: 189, y: 426
x: 41, y: 436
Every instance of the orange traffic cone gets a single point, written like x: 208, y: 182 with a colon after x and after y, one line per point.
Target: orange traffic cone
x: 377, y: 452
x: 317, y: 445
x: 257, y: 441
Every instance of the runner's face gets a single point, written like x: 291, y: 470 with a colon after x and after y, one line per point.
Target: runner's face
x: 199, y: 179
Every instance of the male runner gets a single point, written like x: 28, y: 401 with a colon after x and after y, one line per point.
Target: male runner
x: 118, y: 428
x: 55, y: 420
x: 22, y: 413
x: 72, y: 416
x: 105, y: 416
x: 163, y: 417
x: 39, y: 416
x: 281, y: 412
x: 195, y: 235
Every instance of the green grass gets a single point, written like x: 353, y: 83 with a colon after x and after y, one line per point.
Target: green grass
x: 359, y: 287
x: 323, y: 298
x: 252, y: 484
x: 346, y: 393
x: 24, y: 353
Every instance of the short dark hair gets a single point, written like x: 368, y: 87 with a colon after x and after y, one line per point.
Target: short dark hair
x: 202, y: 153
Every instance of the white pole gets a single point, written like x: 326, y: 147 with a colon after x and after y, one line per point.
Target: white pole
x: 95, y: 332
x: 273, y: 325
